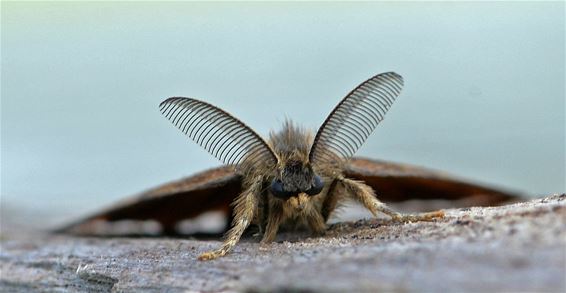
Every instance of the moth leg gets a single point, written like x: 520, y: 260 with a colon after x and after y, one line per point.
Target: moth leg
x: 274, y: 219
x: 331, y: 200
x: 366, y: 196
x: 259, y: 232
x: 316, y: 222
x: 260, y: 217
x: 244, y: 210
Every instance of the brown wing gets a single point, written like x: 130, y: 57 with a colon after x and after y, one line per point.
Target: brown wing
x: 395, y: 182
x: 215, y: 189
x: 167, y: 204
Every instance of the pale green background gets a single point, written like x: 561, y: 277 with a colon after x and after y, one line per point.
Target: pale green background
x: 483, y: 97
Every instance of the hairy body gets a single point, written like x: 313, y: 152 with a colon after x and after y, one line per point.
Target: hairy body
x: 257, y: 204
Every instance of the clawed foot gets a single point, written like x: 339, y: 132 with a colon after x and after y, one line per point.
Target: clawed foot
x: 418, y: 217
x: 434, y: 215
x: 210, y: 255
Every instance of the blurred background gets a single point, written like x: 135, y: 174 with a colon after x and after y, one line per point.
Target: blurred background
x: 81, y: 83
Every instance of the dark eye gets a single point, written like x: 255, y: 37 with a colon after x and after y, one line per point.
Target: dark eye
x: 316, y: 187
x: 278, y: 191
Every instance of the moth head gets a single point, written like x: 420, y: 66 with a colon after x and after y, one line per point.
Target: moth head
x: 296, y: 177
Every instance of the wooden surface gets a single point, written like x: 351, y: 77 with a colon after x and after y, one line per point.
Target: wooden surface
x: 514, y: 248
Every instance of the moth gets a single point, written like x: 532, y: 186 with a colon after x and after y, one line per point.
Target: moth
x: 295, y: 178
